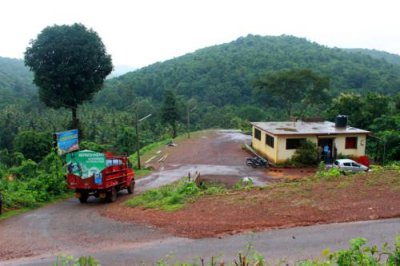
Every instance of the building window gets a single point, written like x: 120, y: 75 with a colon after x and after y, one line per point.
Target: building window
x: 292, y: 144
x: 269, y: 140
x: 257, y: 134
x: 351, y: 143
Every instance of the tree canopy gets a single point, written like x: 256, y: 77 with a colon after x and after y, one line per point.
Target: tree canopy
x: 294, y: 86
x: 69, y: 64
x: 170, y: 113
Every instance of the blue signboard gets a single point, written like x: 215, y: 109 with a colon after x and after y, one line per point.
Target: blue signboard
x: 67, y: 141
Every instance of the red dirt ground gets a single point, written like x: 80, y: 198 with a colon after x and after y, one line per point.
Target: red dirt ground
x: 283, y: 204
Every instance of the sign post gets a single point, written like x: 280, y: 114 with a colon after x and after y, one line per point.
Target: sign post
x: 66, y: 141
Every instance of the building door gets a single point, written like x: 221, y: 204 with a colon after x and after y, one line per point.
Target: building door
x: 326, y: 148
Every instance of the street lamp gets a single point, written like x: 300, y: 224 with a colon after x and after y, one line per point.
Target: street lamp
x: 137, y: 121
x: 188, y: 111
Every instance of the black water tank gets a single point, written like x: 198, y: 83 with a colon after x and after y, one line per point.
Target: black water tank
x: 341, y: 121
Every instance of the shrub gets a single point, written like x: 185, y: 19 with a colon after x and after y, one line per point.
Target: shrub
x: 306, y: 154
x: 27, y: 170
x: 34, y: 145
x: 329, y: 173
x: 171, y: 197
x: 34, y: 183
x: 244, y: 183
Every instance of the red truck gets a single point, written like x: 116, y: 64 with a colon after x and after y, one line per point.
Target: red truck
x: 117, y: 175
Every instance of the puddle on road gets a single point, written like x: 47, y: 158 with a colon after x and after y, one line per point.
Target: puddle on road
x: 234, y: 136
x: 165, y: 177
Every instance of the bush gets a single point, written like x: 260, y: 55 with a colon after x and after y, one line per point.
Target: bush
x: 34, y: 183
x: 171, y: 197
x: 244, y: 183
x: 34, y: 145
x: 327, y: 174
x: 27, y: 170
x: 307, y: 154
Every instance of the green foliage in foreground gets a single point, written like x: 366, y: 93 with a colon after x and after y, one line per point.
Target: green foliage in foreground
x: 358, y: 254
x: 172, y: 197
x: 29, y: 184
x: 71, y: 261
x: 307, y: 154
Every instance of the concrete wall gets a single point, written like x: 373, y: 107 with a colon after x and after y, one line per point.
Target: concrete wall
x: 283, y: 154
x: 340, y: 143
x: 262, y: 148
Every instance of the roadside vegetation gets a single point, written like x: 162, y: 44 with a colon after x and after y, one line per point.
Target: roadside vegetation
x: 326, y: 197
x: 358, y: 254
x: 174, y: 196
x: 28, y: 184
x: 312, y: 189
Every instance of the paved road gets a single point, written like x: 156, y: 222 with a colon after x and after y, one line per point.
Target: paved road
x: 291, y: 244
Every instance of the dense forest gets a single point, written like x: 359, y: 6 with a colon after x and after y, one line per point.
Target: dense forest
x: 218, y: 87
x: 215, y: 83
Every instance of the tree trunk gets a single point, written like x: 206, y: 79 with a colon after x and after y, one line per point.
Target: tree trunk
x: 173, y: 130
x: 75, y: 122
x: 74, y: 118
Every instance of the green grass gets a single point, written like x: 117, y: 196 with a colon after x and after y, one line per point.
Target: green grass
x: 13, y: 212
x: 152, y: 148
x: 172, y: 197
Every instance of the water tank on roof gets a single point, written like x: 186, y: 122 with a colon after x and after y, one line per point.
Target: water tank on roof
x: 341, y: 121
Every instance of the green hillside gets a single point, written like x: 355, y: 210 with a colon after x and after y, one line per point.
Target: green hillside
x: 388, y: 57
x: 223, y: 74
x: 217, y: 85
x: 15, y: 81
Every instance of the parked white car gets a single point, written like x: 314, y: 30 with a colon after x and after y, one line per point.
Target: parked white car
x: 349, y: 166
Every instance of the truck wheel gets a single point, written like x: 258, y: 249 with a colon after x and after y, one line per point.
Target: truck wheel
x: 131, y: 187
x: 112, y: 195
x: 83, y: 197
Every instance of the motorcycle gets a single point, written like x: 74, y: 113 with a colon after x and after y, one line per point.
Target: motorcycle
x: 256, y: 162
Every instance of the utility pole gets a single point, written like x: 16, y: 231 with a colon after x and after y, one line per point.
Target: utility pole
x: 137, y: 137
x: 188, y: 110
x: 188, y: 121
x: 137, y: 121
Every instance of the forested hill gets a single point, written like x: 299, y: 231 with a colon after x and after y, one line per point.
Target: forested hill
x: 388, y: 57
x: 223, y: 74
x: 15, y: 81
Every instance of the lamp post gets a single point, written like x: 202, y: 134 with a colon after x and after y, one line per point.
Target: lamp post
x: 137, y: 121
x: 188, y: 110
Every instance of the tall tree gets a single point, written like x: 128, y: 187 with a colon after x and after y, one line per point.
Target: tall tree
x: 69, y: 64
x: 297, y: 86
x: 170, y: 111
x: 33, y: 145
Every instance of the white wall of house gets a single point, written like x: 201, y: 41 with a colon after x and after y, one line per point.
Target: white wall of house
x: 261, y: 147
x: 279, y: 153
x: 340, y: 143
x: 284, y: 154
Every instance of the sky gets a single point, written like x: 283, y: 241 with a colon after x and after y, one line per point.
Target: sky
x: 138, y: 33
